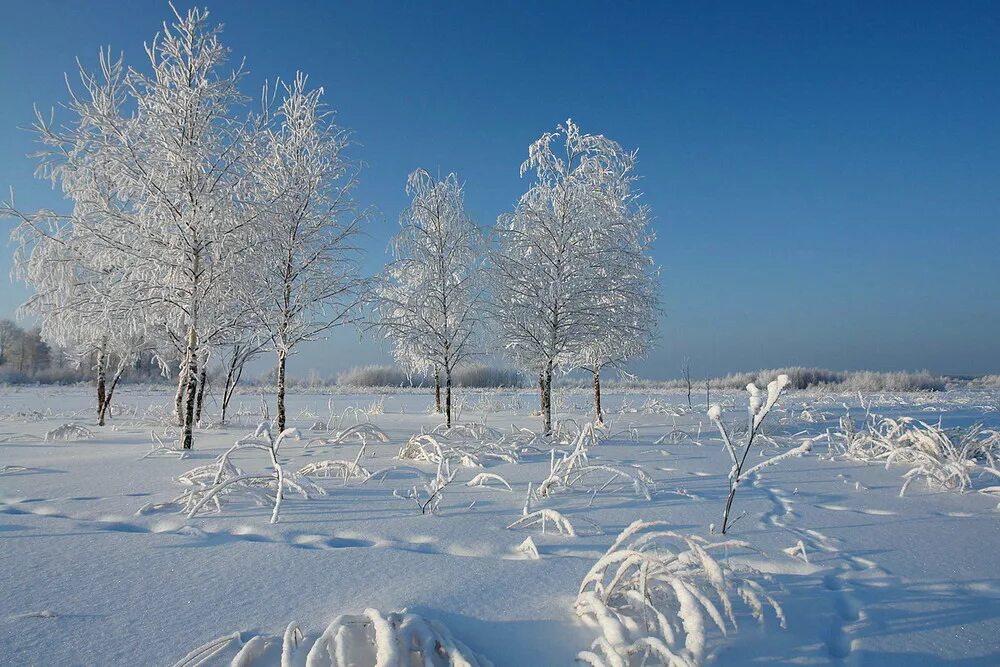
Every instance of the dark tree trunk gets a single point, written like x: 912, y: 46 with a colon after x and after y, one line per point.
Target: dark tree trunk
x: 202, y: 381
x: 187, y: 441
x: 182, y: 380
x: 233, y: 374
x: 437, y: 391
x: 106, y: 406
x: 447, y: 393
x: 541, y: 392
x: 599, y: 415
x: 547, y: 399
x: 280, y: 418
x: 101, y: 386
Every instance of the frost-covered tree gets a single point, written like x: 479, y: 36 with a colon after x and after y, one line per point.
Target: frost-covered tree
x: 625, y: 326
x: 429, y: 301
x: 81, y: 309
x: 305, y: 277
x: 550, y: 268
x: 154, y: 161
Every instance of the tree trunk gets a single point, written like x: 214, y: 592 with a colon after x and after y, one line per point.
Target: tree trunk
x: 547, y: 399
x: 202, y: 381
x: 106, y: 406
x: 447, y: 390
x: 232, y: 377
x: 437, y: 390
x: 599, y: 415
x: 541, y: 392
x: 280, y: 418
x: 182, y: 379
x: 187, y: 441
x: 101, y: 386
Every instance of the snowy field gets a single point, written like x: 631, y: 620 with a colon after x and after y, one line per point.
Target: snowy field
x: 100, y: 566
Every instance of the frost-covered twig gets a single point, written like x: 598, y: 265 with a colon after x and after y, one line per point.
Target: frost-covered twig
x: 759, y: 407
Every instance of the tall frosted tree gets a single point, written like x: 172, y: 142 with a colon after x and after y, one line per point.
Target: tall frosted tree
x: 304, y: 277
x: 152, y: 160
x: 625, y: 326
x: 549, y: 274
x: 429, y: 301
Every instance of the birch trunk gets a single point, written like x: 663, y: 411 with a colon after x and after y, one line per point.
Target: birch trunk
x: 101, y: 384
x: 202, y: 381
x: 187, y: 441
x: 447, y: 390
x: 280, y: 418
x: 599, y: 415
x: 547, y: 399
x: 437, y: 390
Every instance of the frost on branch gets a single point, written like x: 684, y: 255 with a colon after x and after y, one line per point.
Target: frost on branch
x: 656, y: 596
x: 371, y: 639
x: 210, y: 484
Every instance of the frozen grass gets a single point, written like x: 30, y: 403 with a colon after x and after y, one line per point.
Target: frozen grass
x: 946, y: 459
x: 656, y: 595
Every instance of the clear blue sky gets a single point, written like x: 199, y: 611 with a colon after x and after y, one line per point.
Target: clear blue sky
x: 825, y: 175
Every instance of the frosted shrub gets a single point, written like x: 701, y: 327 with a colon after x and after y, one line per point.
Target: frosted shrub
x: 210, y: 484
x: 656, y: 594
x: 759, y: 407
x: 370, y: 639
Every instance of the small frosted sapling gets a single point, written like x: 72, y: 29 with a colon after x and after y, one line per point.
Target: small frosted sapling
x: 759, y: 407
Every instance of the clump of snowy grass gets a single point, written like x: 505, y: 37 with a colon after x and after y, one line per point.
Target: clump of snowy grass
x: 363, y: 432
x: 428, y: 496
x: 210, y: 484
x: 573, y: 469
x: 656, y: 595
x: 370, y: 639
x: 332, y: 468
x: 469, y: 445
x: 69, y: 432
x: 946, y: 459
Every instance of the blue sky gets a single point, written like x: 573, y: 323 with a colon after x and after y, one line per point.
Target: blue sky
x: 825, y: 176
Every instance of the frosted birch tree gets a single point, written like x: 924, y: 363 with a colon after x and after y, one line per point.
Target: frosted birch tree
x: 549, y: 282
x: 305, y: 277
x: 429, y: 302
x: 153, y: 161
x: 625, y: 326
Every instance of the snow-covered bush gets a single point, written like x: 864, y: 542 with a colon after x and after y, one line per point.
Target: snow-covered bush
x: 759, y: 407
x: 329, y: 468
x: 399, y: 639
x: 656, y: 595
x: 945, y: 459
x: 209, y: 484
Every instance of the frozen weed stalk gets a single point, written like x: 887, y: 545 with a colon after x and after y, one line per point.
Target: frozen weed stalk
x: 759, y: 406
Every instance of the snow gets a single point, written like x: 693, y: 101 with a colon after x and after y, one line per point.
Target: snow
x: 98, y: 567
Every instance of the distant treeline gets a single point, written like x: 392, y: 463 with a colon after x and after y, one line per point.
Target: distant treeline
x: 26, y: 359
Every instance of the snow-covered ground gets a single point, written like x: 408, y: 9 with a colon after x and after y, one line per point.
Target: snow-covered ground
x: 98, y: 568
